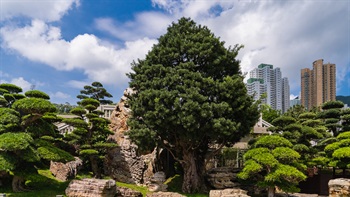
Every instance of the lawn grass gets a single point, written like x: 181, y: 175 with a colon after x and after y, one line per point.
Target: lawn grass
x: 44, y: 184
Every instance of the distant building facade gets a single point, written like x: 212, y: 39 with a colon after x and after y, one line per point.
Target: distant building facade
x: 265, y: 80
x: 318, y: 85
x: 295, y: 101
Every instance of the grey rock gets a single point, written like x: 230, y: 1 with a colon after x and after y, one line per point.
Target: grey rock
x: 91, y: 188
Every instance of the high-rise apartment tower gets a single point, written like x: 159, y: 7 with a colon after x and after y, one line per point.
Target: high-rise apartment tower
x: 265, y: 80
x: 318, y: 85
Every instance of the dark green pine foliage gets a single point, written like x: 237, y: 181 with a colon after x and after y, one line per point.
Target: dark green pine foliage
x: 331, y: 115
x: 301, y: 132
x: 90, y: 134
x: 272, y: 162
x: 28, y: 136
x: 338, y: 152
x: 96, y: 91
x: 189, y: 95
x: 345, y: 117
x: 9, y: 93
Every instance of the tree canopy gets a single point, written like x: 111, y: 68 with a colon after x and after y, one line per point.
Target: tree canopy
x: 189, y: 93
x: 96, y: 91
x: 27, y: 134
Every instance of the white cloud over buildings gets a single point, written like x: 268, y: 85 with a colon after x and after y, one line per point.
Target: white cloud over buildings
x: 287, y: 34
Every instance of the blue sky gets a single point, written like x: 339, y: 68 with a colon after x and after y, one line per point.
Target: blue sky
x: 61, y: 45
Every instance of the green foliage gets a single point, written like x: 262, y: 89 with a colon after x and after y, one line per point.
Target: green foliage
x: 90, y: 101
x: 344, y: 135
x: 95, y: 91
x: 76, y: 122
x: 273, y: 141
x: 307, y: 115
x: 285, y: 155
x: 332, y: 105
x: 79, y: 111
x: 11, y: 88
x: 33, y: 105
x: 22, y: 122
x: 89, y: 152
x: 271, y: 162
x: 342, y: 153
x: 189, y: 91
x: 91, y: 131
x: 37, y: 94
x: 15, y: 141
x: 269, y: 114
x: 295, y: 111
x: 7, y: 162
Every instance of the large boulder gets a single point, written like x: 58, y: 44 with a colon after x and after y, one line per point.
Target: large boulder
x: 339, y: 187
x: 65, y: 171
x: 91, y: 188
x: 228, y: 193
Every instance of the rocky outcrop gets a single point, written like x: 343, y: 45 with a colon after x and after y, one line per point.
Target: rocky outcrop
x: 91, y: 188
x: 228, y: 193
x: 65, y: 171
x: 123, y: 163
x: 126, y: 192
x: 157, y: 183
x: 223, y: 177
x: 339, y: 187
x: 165, y: 194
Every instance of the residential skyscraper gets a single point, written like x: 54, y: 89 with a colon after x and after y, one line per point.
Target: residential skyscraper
x: 265, y: 80
x: 318, y: 85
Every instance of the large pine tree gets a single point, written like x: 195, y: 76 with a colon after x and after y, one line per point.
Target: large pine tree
x: 190, y: 95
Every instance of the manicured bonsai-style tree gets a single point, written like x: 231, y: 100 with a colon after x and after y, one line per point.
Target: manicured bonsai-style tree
x: 189, y: 95
x: 90, y: 134
x: 345, y: 118
x: 339, y: 151
x: 27, y: 135
x: 96, y: 91
x: 272, y: 162
x: 331, y: 116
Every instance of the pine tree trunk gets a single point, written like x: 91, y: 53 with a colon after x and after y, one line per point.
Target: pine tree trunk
x: 94, y: 167
x: 271, y: 192
x: 18, y: 184
x: 193, y: 173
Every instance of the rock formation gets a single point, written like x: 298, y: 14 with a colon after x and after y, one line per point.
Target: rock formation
x: 126, y: 192
x: 165, y: 194
x: 223, y: 177
x: 157, y: 183
x: 339, y: 187
x: 228, y: 193
x: 64, y: 171
x: 91, y: 188
x: 123, y: 163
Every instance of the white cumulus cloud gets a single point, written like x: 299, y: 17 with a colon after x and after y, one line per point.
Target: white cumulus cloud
x: 43, y: 43
x: 48, y: 10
